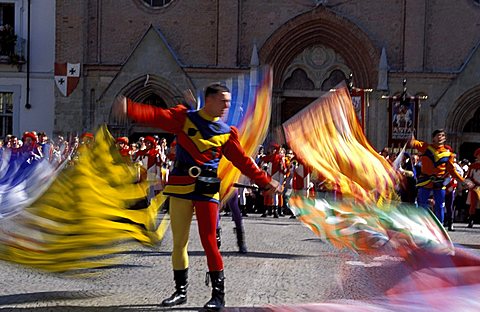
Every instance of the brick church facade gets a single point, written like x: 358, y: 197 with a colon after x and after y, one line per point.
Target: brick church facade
x: 153, y: 50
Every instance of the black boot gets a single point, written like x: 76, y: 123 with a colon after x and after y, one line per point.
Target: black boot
x: 280, y: 212
x: 265, y: 212
x: 450, y: 226
x: 243, y: 209
x: 470, y: 221
x: 275, y: 211
x: 219, y: 237
x: 217, y: 301
x: 180, y: 294
x: 242, y: 248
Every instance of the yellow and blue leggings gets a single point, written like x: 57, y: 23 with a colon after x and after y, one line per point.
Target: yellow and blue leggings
x: 181, y: 213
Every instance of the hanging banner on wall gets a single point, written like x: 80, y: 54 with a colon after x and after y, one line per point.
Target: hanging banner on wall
x: 358, y: 101
x: 403, y: 115
x: 67, y: 76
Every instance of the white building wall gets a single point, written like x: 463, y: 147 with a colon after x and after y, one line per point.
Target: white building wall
x: 42, y: 58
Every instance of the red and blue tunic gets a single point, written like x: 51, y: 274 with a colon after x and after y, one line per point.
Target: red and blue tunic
x: 202, y: 140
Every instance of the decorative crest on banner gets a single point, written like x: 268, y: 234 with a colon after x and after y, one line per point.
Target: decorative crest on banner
x: 359, y: 100
x: 67, y: 76
x: 403, y: 116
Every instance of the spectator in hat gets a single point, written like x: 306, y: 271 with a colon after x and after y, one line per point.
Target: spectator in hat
x: 473, y: 177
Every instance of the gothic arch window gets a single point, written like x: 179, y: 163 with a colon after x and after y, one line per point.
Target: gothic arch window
x: 154, y: 100
x: 298, y: 81
x: 157, y: 3
x: 334, y: 79
x: 473, y: 125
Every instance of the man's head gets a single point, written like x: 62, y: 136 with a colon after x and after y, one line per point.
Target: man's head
x: 476, y: 154
x: 217, y: 100
x: 122, y: 142
x: 42, y: 137
x: 29, y: 138
x: 150, y: 142
x: 439, y: 137
x: 163, y: 142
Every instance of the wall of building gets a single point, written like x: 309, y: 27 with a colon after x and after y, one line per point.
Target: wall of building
x: 42, y: 54
x: 427, y: 42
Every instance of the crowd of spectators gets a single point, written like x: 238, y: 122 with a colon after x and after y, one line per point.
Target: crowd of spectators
x: 155, y: 158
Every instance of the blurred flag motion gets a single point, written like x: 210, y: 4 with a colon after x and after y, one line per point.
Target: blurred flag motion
x: 84, y: 215
x: 369, y: 219
x: 250, y: 112
x: 328, y: 136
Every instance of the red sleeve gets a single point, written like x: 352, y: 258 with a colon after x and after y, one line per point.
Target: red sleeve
x: 268, y: 158
x: 420, y: 146
x: 235, y: 153
x: 170, y: 120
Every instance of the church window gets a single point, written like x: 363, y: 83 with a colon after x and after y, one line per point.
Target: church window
x: 6, y: 113
x: 157, y: 3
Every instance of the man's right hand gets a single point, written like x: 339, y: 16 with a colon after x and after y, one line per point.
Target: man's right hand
x: 411, y: 140
x: 119, y: 109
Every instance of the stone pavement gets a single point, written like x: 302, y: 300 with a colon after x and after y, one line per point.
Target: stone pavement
x: 286, y: 264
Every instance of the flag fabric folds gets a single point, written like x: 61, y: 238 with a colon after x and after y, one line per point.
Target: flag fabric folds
x: 327, y: 136
x: 250, y: 112
x: 22, y: 180
x: 368, y: 229
x: 85, y: 216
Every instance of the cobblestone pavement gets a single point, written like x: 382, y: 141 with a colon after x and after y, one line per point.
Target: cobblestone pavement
x: 286, y: 264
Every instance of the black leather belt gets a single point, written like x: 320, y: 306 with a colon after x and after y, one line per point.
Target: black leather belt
x: 195, y: 171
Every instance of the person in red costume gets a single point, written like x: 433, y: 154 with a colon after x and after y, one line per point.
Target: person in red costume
x: 274, y: 164
x: 437, y: 161
x: 151, y: 164
x: 30, y: 148
x: 298, y: 179
x: 123, y: 147
x: 473, y: 177
x: 202, y: 140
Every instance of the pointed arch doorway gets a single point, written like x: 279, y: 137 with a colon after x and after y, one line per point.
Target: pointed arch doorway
x: 154, y: 91
x: 463, y: 124
x: 312, y: 53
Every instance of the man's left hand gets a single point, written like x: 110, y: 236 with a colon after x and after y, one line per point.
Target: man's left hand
x: 274, y: 187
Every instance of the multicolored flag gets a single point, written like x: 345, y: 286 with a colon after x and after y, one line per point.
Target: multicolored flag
x: 250, y: 112
x: 84, y: 216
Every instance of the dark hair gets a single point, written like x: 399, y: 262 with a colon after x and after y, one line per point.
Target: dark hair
x: 215, y: 88
x: 434, y: 133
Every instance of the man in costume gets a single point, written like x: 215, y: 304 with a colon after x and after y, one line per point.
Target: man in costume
x: 473, y: 177
x: 297, y: 179
x: 437, y: 160
x: 151, y: 165
x: 274, y: 165
x: 30, y: 149
x: 123, y: 147
x: 202, y: 139
x: 450, y: 193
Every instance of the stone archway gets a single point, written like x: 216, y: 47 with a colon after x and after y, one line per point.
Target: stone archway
x: 322, y: 26
x: 320, y: 29
x: 467, y: 107
x: 141, y: 89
